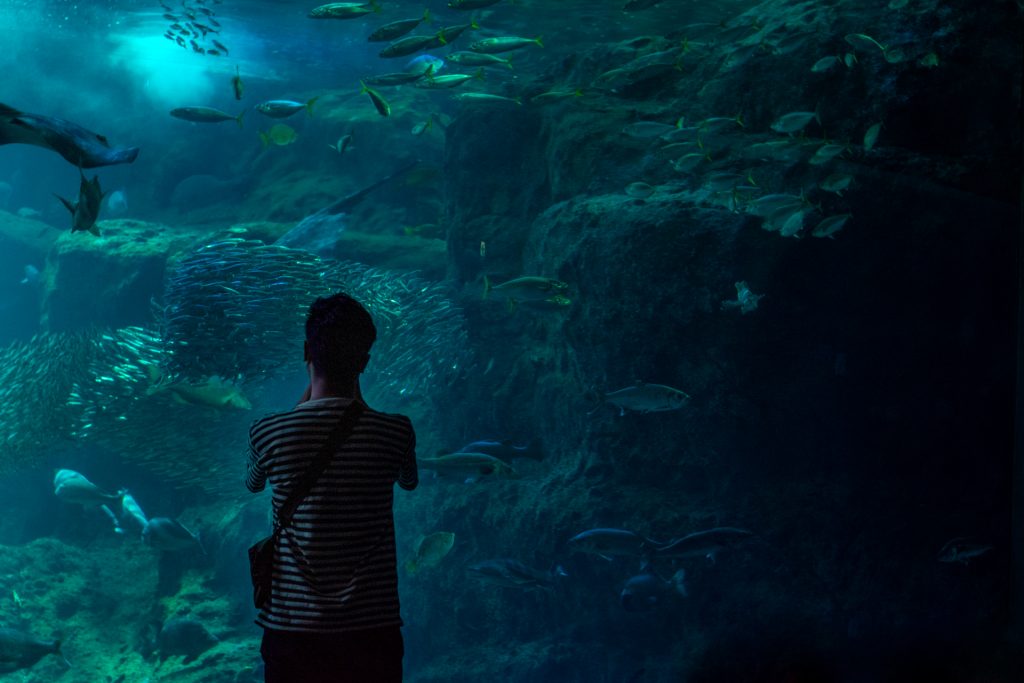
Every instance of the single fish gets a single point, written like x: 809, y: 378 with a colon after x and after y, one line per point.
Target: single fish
x: 527, y: 287
x: 504, y: 44
x: 236, y: 84
x: 514, y: 574
x: 72, y: 487
x: 448, y: 34
x: 703, y: 543
x: 639, y: 190
x: 610, y: 543
x: 471, y: 4
x: 213, y: 391
x: 383, y: 108
x: 479, y: 59
x: 343, y: 144
x: 344, y: 10
x: 795, y: 122
x: 397, y: 29
x: 430, y: 550
x: 837, y: 183
x: 422, y: 127
x: 962, y: 550
x: 280, y: 135
x: 830, y: 226
x: 446, y: 81
x: 505, y: 451
x: 871, y: 136
x: 86, y: 210
x: 745, y: 301
x: 164, y: 533
x: 826, y: 153
x: 863, y: 42
x: 407, y: 46
x: 398, y: 78
x: 205, y: 115
x: 19, y: 650
x: 826, y: 64
x: 470, y: 464
x: 647, y: 398
x: 282, y: 109
x: 555, y: 96
x: 647, y: 590
x: 132, y: 515
x: 78, y: 146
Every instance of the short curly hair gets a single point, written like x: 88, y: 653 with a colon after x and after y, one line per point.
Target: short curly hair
x: 339, y: 333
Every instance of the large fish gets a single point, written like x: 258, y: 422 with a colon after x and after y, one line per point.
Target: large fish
x: 20, y: 650
x: 79, y: 146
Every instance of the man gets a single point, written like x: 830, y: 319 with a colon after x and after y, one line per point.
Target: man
x: 333, y: 613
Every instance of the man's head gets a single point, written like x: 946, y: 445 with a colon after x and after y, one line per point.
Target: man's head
x: 339, y: 334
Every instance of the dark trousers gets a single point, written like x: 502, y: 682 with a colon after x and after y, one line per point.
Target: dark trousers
x: 370, y: 656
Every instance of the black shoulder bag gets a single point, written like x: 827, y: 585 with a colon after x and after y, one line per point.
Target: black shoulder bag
x: 261, y: 553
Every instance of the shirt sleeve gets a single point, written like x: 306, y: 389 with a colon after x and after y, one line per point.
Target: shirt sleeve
x: 256, y: 475
x: 408, y: 475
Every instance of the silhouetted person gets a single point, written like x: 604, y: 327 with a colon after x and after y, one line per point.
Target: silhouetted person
x: 333, y: 613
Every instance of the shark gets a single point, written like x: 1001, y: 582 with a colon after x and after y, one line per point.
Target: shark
x: 86, y: 210
x: 76, y: 144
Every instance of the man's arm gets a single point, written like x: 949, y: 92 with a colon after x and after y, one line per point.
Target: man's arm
x: 256, y: 476
x: 408, y: 475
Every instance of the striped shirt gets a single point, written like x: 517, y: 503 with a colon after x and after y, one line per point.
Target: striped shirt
x: 335, y: 567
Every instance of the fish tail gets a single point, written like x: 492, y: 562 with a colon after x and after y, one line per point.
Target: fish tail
x: 479, y: 75
x: 309, y: 105
x: 375, y: 6
x: 364, y: 88
x: 426, y: 15
x: 238, y: 119
x: 538, y: 41
x: 67, y: 205
x: 474, y: 25
x: 487, y: 286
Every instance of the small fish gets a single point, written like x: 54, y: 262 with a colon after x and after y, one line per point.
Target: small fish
x: 343, y: 144
x: 826, y: 153
x: 850, y: 60
x: 555, y: 96
x: 164, y: 533
x: 639, y: 190
x: 448, y: 34
x: 205, y: 115
x: 430, y: 550
x: 485, y: 98
x: 745, y: 301
x: 392, y: 79
x: 647, y: 398
x: 871, y: 136
x: 794, y: 122
x: 279, y: 135
x: 236, y: 84
x: 220, y: 47
x: 422, y: 127
x: 212, y: 53
x: 826, y: 64
x: 647, y: 590
x: 383, y: 108
x: 527, y: 287
x: 407, y: 46
x: 397, y: 29
x: 446, y: 81
x: 344, y: 10
x: 471, y: 4
x: 703, y: 543
x: 132, y: 513
x: 962, y: 550
x: 929, y: 60
x: 837, y: 183
x: 469, y: 464
x: 830, y: 226
x: 610, y: 543
x: 644, y: 130
x: 479, y: 59
x: 505, y: 451
x: 282, y: 109
x: 863, y: 42
x: 895, y: 55
x: 514, y: 574
x: 504, y: 44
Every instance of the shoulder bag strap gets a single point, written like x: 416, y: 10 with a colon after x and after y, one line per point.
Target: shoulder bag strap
x: 346, y: 424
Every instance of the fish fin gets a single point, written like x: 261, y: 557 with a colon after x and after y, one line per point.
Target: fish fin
x: 94, y: 230
x: 426, y: 15
x: 487, y: 281
x: 238, y: 119
x: 479, y: 75
x: 309, y: 105
x: 538, y: 41
x: 68, y: 205
x: 6, y: 110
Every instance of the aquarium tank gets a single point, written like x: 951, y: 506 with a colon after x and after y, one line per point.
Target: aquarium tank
x: 721, y: 297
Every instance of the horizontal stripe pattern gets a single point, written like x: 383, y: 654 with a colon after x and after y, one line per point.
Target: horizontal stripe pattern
x: 335, y: 566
